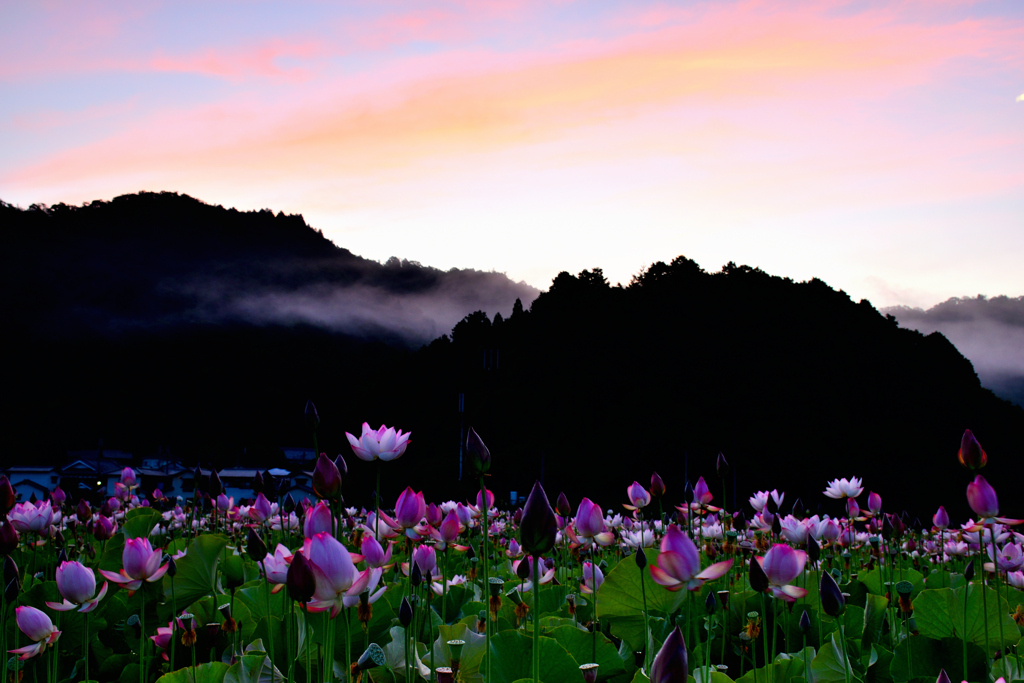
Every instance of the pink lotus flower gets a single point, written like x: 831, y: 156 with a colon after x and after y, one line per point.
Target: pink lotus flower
x: 874, y: 503
x: 141, y: 563
x: 318, y: 520
x: 845, y: 488
x: 37, y: 626
x: 276, y: 566
x: 384, y: 443
x: 760, y: 499
x: 982, y: 499
x: 163, y: 636
x: 795, y: 530
x: 638, y: 496
x: 702, y: 495
x: 338, y: 582
x: 77, y: 585
x: 262, y: 509
x: 591, y: 573
x: 374, y: 554
x: 36, y: 518
x: 103, y: 527
x: 425, y: 558
x: 589, y: 523
x: 782, y: 564
x: 546, y: 573
x: 410, y: 508
x: 679, y: 563
x: 448, y: 531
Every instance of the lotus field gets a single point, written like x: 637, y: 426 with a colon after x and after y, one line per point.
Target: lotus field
x: 204, y: 590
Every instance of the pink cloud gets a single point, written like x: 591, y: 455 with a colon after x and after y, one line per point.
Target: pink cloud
x: 260, y: 61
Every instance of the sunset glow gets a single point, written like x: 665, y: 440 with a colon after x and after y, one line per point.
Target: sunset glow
x: 877, y: 146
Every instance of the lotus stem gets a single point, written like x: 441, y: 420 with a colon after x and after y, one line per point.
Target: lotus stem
x: 995, y: 567
x: 647, y: 625
x: 485, y: 561
x: 142, y: 640
x: 963, y: 640
x: 536, y: 620
x: 842, y: 641
x: 270, y: 621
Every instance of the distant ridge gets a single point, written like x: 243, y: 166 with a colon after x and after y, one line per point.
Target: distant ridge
x: 161, y: 260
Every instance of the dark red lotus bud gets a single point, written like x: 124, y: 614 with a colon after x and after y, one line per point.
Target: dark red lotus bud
x: 969, y: 572
x: 813, y: 549
x: 326, y: 478
x: 832, y: 601
x: 7, y: 496
x: 102, y: 527
x: 311, y: 417
x: 405, y: 613
x: 971, y: 455
x: 641, y: 559
x: 8, y: 537
x: 538, y: 528
x: 517, y: 516
x: 758, y: 579
x: 300, y: 580
x: 943, y: 677
x: 805, y: 623
x: 657, y: 486
x: 671, y: 664
x: 722, y: 465
x: 255, y: 546
x: 709, y: 604
x: 199, y: 480
x: 416, y: 576
x: 479, y: 456
x: 562, y: 506
x: 257, y: 483
x: 215, y: 487
x: 523, y: 569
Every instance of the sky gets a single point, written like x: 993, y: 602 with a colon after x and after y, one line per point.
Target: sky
x: 876, y: 145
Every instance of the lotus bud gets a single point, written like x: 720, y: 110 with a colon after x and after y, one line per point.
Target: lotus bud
x: 805, y: 623
x: 199, y: 480
x: 940, y: 519
x: 172, y: 566
x: 641, y: 559
x: 562, y: 505
x: 84, y: 510
x: 405, y: 613
x: 671, y: 664
x: 943, y: 677
x: 373, y: 656
x: 342, y: 466
x: 216, y: 487
x: 479, y: 456
x: 982, y: 498
x: 415, y: 576
x: 8, y: 537
x: 971, y: 454
x: 57, y: 496
x: 538, y: 529
x: 102, y: 528
x: 709, y: 604
x: 813, y: 549
x: 657, y: 486
x: 589, y: 672
x: 722, y: 465
x: 7, y: 495
x: 311, y: 417
x: 832, y: 601
x: 11, y: 574
x: 289, y: 504
x: 523, y: 568
x: 300, y: 580
x: 255, y: 546
x: 326, y: 478
x: 969, y: 572
x: 434, y: 515
x: 257, y: 483
x: 517, y: 516
x: 798, y: 509
x: 758, y: 579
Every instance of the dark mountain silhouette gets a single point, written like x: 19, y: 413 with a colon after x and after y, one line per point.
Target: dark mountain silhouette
x: 989, y: 331
x: 589, y: 388
x: 155, y: 261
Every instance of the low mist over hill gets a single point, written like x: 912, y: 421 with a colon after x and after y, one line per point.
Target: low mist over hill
x: 161, y: 261
x: 156, y: 320
x: 988, y: 331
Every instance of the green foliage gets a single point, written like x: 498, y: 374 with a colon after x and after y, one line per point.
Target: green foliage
x: 939, y: 613
x: 197, y: 571
x: 921, y: 656
x: 512, y: 657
